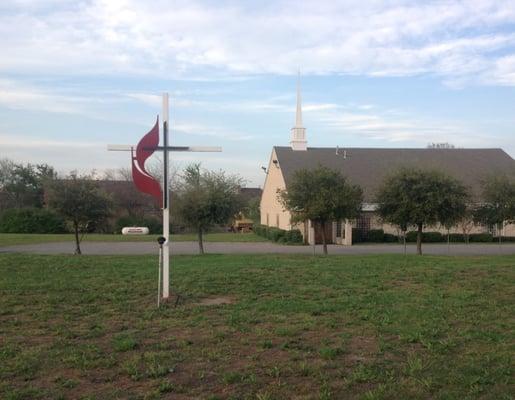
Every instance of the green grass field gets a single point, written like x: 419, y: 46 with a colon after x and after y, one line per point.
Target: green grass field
x: 357, y: 327
x: 10, y: 239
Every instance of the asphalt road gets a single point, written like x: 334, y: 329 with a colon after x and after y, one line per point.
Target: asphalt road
x: 128, y: 248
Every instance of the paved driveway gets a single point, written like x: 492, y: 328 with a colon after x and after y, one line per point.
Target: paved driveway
x: 109, y: 248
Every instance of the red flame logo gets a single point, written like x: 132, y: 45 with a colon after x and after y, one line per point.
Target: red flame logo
x: 145, y: 182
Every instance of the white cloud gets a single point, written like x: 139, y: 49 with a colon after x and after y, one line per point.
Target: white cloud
x: 451, y: 39
x: 504, y: 71
x: 14, y: 95
x: 24, y: 142
x: 400, y: 130
x: 204, y: 130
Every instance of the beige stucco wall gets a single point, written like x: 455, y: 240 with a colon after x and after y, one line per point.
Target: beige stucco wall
x: 271, y: 209
x: 509, y: 230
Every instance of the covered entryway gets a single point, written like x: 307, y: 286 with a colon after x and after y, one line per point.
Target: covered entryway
x: 336, y: 233
x: 342, y: 232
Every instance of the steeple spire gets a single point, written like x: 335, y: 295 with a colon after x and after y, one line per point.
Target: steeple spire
x: 298, y: 132
x: 298, y: 115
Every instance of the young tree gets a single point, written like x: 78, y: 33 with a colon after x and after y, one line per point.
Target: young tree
x: 498, y: 202
x: 321, y: 195
x: 79, y: 200
x: 390, y: 212
x: 206, y: 198
x: 420, y: 197
x: 466, y: 224
x: 453, y: 207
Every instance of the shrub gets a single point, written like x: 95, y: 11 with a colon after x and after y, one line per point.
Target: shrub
x: 389, y: 238
x: 154, y: 226
x: 357, y: 235
x: 293, y: 236
x: 372, y: 236
x: 260, y: 230
x: 275, y: 234
x: 481, y: 238
x: 279, y: 235
x: 456, y: 238
x: 31, y: 220
x: 504, y: 239
x: 375, y: 236
x: 427, y: 237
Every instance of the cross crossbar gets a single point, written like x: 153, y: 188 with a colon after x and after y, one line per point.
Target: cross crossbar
x: 197, y: 149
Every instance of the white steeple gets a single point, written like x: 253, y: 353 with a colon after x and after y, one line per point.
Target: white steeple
x: 298, y: 132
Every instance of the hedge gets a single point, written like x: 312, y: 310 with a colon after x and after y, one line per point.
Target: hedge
x: 31, y: 220
x: 279, y: 235
x: 389, y: 238
x: 293, y: 236
x: 378, y: 236
x: 427, y: 237
x: 372, y: 236
x: 481, y: 238
x: 434, y: 237
x: 504, y: 238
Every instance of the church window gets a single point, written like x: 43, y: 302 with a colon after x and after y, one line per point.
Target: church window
x: 339, y: 228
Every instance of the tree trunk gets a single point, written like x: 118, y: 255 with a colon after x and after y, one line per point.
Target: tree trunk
x: 499, y: 232
x: 404, y: 240
x: 324, y: 240
x: 200, y: 241
x: 77, y: 240
x: 448, y: 241
x: 419, y: 239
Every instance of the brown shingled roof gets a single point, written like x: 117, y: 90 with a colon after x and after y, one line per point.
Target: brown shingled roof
x: 367, y: 167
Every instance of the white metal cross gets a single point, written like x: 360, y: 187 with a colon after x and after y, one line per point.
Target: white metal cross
x: 166, y: 192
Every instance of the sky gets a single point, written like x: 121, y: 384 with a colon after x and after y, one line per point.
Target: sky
x: 78, y: 75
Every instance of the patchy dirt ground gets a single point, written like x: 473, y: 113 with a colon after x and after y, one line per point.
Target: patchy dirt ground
x: 216, y: 301
x: 260, y: 327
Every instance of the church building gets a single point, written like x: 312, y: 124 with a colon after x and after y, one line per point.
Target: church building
x: 367, y: 167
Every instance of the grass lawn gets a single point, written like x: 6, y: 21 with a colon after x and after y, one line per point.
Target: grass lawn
x: 363, y: 327
x: 10, y: 239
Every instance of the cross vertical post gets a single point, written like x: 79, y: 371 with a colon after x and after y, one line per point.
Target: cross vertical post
x: 166, y: 203
x: 145, y: 182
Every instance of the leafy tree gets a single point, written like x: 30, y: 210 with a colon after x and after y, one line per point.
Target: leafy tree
x: 23, y: 185
x: 31, y: 220
x: 79, y: 200
x: 252, y: 210
x: 321, y: 195
x: 6, y: 170
x: 420, y: 197
x: 498, y: 202
x: 206, y: 198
